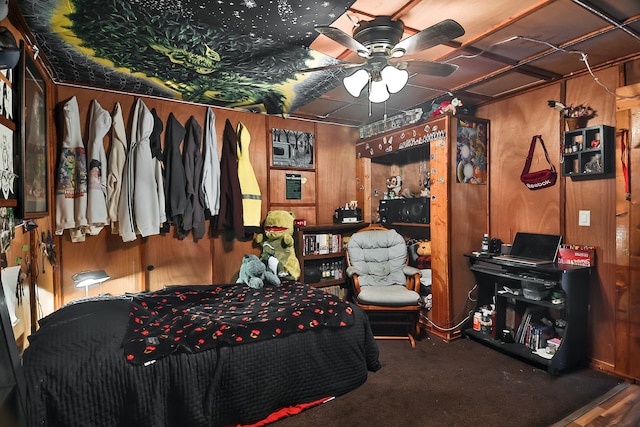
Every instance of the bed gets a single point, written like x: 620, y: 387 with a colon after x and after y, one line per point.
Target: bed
x: 215, y: 355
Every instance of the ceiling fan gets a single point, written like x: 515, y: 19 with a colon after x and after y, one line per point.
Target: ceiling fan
x: 378, y: 43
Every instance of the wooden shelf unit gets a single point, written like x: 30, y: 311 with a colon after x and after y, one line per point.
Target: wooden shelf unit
x: 452, y: 234
x: 310, y: 262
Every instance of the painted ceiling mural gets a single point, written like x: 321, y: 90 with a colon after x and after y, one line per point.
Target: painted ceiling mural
x: 232, y: 53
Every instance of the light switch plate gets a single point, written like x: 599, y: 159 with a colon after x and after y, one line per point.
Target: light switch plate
x: 584, y: 218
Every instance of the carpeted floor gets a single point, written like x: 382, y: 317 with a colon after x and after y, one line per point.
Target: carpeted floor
x: 460, y: 383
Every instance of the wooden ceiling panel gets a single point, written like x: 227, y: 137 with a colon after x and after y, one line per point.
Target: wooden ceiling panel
x: 546, y: 25
x: 476, y: 17
x: 504, y: 84
x: 598, y: 50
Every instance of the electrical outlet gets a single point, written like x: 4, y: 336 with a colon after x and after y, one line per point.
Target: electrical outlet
x: 584, y: 218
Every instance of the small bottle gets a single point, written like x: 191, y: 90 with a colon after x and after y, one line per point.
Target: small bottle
x: 485, y: 244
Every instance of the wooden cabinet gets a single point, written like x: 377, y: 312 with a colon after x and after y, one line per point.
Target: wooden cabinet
x: 455, y: 149
x: 589, y: 153
x: 521, y: 292
x: 320, y: 249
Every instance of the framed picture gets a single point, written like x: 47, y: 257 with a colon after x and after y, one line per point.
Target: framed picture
x: 33, y: 199
x: 7, y: 168
x: 294, y: 149
x: 471, y: 151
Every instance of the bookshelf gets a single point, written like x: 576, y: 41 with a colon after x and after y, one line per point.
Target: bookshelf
x: 589, y: 153
x: 522, y: 326
x: 319, y: 246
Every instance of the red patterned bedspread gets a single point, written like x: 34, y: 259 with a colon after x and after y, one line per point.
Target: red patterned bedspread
x: 192, y: 319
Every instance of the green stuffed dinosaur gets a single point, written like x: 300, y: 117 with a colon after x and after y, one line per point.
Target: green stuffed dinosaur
x: 277, y: 242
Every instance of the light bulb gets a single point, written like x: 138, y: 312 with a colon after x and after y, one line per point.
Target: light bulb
x: 356, y: 82
x: 378, y: 91
x: 394, y: 78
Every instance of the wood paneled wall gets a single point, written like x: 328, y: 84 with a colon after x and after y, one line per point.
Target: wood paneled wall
x: 555, y: 210
x: 158, y: 261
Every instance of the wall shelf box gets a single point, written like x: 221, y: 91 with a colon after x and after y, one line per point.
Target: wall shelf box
x: 589, y: 153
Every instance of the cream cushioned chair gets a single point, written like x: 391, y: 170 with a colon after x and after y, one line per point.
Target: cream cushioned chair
x: 383, y: 282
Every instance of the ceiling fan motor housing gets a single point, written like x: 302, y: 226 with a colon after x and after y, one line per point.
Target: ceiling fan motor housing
x: 380, y: 35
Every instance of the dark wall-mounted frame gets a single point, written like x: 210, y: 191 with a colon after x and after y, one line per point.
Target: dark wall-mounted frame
x: 33, y: 194
x: 292, y: 149
x: 10, y: 153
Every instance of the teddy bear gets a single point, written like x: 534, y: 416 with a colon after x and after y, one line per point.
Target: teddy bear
x: 423, y: 252
x: 255, y: 274
x: 278, y: 252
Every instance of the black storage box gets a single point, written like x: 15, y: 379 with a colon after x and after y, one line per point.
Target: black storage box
x: 342, y: 215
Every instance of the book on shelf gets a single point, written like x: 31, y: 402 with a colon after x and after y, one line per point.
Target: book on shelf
x: 532, y: 313
x: 321, y: 244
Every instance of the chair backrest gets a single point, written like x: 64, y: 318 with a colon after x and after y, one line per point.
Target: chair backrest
x: 379, y: 255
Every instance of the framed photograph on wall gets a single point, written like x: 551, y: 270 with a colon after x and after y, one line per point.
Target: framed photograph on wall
x: 292, y: 149
x: 7, y: 168
x: 33, y: 200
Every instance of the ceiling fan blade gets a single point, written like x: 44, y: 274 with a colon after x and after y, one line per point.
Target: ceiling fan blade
x: 329, y: 67
x: 344, y: 39
x: 434, y: 35
x: 430, y: 68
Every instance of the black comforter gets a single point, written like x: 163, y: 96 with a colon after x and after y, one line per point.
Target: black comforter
x: 78, y: 375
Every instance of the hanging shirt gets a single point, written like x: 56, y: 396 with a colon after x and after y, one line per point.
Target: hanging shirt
x: 99, y: 124
x: 211, y: 165
x: 192, y: 159
x: 230, y: 216
x: 115, y: 168
x: 251, y: 197
x: 174, y: 176
x: 71, y: 179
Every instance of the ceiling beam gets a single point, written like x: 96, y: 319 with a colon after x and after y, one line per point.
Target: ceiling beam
x: 607, y: 17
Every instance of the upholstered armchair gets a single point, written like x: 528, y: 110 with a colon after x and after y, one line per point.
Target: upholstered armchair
x: 384, y: 285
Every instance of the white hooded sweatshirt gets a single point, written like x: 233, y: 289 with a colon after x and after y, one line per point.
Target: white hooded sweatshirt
x: 117, y: 158
x: 141, y: 209
x: 71, y: 179
x: 99, y: 124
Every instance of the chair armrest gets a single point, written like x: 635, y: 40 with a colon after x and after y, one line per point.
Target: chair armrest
x: 351, y: 270
x: 410, y: 271
x: 413, y: 277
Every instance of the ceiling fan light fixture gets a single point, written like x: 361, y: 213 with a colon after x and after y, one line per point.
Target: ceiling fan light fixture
x: 397, y: 53
x: 378, y: 91
x: 356, y: 82
x: 394, y: 78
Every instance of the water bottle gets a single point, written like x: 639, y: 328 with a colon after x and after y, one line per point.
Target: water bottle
x: 485, y: 244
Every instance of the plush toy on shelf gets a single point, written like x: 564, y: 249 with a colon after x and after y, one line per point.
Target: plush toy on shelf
x: 394, y: 186
x: 447, y: 107
x: 278, y: 252
x: 423, y: 252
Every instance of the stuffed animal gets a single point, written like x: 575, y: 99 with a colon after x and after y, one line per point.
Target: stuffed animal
x: 277, y: 244
x: 255, y: 274
x: 447, y: 107
x: 423, y: 252
x: 394, y: 186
